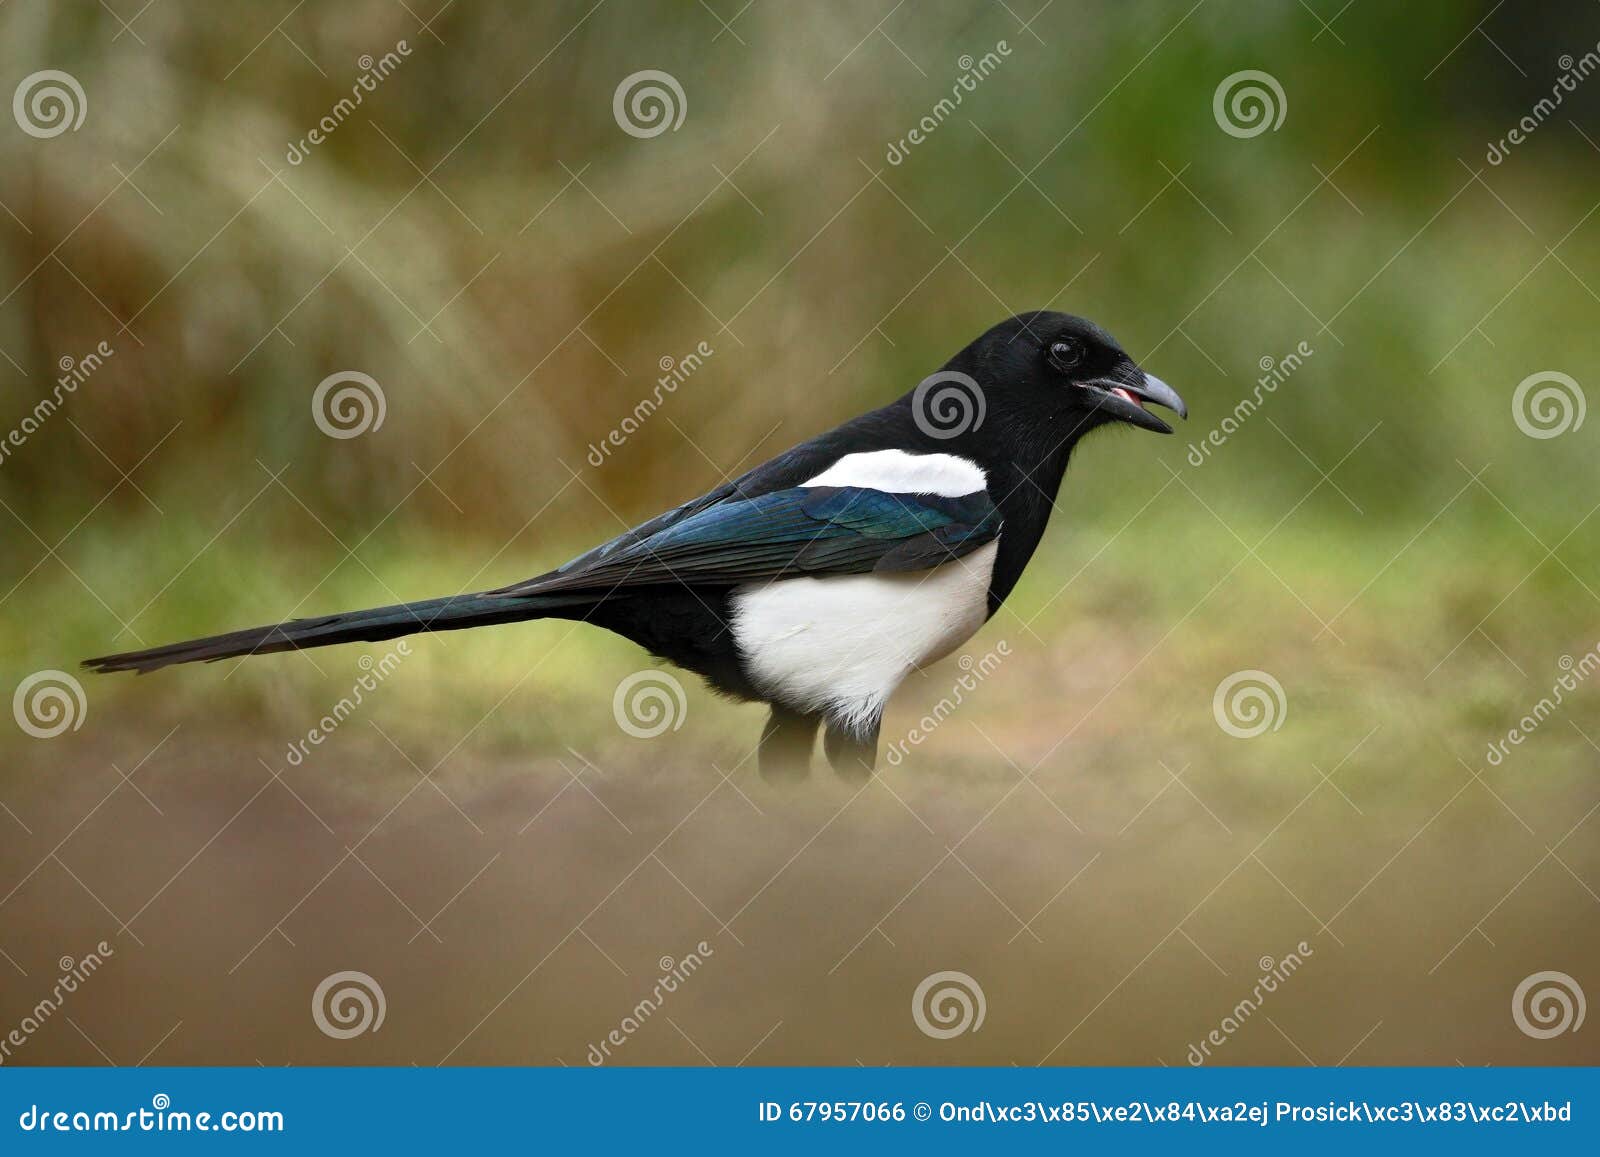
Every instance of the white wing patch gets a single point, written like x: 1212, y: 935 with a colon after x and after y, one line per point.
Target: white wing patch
x: 841, y: 644
x: 897, y: 472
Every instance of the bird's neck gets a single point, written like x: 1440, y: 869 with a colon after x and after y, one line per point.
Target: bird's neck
x: 1025, y: 498
x: 1023, y: 457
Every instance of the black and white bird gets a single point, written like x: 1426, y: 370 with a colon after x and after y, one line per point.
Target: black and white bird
x: 819, y: 580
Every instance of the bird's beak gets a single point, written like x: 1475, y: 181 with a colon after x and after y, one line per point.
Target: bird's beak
x: 1125, y: 403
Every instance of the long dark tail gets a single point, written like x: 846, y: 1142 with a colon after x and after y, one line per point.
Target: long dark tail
x: 448, y: 614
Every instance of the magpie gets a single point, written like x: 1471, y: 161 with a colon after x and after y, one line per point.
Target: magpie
x: 816, y: 582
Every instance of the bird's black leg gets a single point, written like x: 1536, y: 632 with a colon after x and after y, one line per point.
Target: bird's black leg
x: 786, y: 742
x: 853, y: 753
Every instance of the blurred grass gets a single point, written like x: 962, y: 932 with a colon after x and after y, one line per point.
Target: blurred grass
x: 232, y: 253
x: 515, y: 300
x: 1173, y: 592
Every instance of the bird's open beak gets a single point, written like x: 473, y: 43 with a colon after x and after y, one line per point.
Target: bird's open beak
x: 1125, y: 403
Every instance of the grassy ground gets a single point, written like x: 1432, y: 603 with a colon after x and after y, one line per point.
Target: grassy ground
x: 1080, y: 835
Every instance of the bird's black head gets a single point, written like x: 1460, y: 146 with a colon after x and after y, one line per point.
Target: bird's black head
x: 1064, y: 374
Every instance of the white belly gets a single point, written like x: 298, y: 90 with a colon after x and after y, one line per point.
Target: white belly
x: 840, y: 645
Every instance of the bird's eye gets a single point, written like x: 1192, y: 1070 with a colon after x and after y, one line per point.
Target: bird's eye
x: 1066, y: 354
